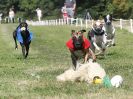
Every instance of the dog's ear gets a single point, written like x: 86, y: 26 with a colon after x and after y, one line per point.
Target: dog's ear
x: 111, y: 17
x: 72, y: 32
x: 83, y: 30
x: 26, y: 24
x: 20, y: 25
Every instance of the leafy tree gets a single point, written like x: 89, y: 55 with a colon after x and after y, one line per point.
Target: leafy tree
x: 121, y: 8
x: 28, y: 6
x: 52, y: 8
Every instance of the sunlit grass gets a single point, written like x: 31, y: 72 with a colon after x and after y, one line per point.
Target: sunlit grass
x: 35, y: 77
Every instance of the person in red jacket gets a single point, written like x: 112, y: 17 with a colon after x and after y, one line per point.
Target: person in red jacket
x: 64, y: 13
x: 79, y: 47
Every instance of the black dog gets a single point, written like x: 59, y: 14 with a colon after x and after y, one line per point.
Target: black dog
x: 24, y: 37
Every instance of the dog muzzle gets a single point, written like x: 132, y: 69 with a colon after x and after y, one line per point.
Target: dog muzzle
x: 108, y: 23
x: 98, y: 29
x: 78, y: 43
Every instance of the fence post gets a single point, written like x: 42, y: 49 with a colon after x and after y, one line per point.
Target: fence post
x: 120, y: 23
x: 71, y: 20
x: 131, y: 24
x: 67, y: 20
x: 59, y: 21
x: 86, y: 23
x: 46, y: 22
x: 56, y: 22
x: 81, y: 23
x: 77, y: 22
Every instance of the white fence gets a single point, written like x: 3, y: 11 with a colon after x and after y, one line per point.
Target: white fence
x: 70, y: 21
x: 122, y: 24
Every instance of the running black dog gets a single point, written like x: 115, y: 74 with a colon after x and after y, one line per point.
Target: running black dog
x: 24, y: 36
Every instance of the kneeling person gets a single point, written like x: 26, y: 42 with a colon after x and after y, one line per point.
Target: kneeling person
x: 79, y: 46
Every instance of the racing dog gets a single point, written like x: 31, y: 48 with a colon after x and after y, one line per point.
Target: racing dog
x: 79, y: 47
x: 110, y: 30
x: 97, y: 37
x: 24, y: 36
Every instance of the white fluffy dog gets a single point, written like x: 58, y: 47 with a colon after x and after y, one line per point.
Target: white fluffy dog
x: 86, y: 72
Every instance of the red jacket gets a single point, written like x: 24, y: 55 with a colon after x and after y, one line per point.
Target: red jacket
x: 86, y: 44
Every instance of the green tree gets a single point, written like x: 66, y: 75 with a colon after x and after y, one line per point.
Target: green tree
x: 52, y: 8
x: 122, y: 8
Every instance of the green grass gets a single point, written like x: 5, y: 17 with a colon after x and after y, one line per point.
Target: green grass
x: 35, y: 77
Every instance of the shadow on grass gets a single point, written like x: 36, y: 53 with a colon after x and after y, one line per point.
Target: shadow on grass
x: 20, y: 57
x: 101, y: 57
x: 111, y: 54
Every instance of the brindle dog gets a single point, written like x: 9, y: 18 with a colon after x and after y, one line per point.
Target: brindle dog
x: 79, y: 47
x: 24, y: 37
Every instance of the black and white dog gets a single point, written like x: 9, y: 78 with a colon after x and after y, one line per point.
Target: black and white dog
x: 110, y: 30
x: 24, y: 36
x: 97, y: 37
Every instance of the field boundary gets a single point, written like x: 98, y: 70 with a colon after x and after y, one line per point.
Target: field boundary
x: 79, y: 22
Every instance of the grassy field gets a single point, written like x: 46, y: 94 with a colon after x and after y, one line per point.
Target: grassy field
x: 35, y: 77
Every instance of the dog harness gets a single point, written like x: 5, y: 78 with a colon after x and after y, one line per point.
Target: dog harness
x: 95, y: 32
x: 20, y: 38
x: 70, y: 45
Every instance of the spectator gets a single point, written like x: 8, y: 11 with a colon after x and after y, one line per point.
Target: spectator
x: 39, y: 14
x: 64, y: 12
x: 11, y: 15
x: 70, y: 7
x: 1, y: 17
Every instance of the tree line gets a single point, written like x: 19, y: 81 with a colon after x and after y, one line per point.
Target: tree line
x: 52, y: 8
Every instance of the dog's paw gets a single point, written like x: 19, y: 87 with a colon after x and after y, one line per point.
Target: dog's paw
x: 16, y: 48
x: 114, y: 44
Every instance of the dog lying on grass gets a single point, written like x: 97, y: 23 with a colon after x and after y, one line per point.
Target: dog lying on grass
x: 86, y: 72
x: 24, y: 36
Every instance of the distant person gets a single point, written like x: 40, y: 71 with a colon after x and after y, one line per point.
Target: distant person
x: 39, y: 14
x: 64, y: 12
x: 70, y: 7
x: 1, y: 17
x: 87, y: 15
x: 11, y: 15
